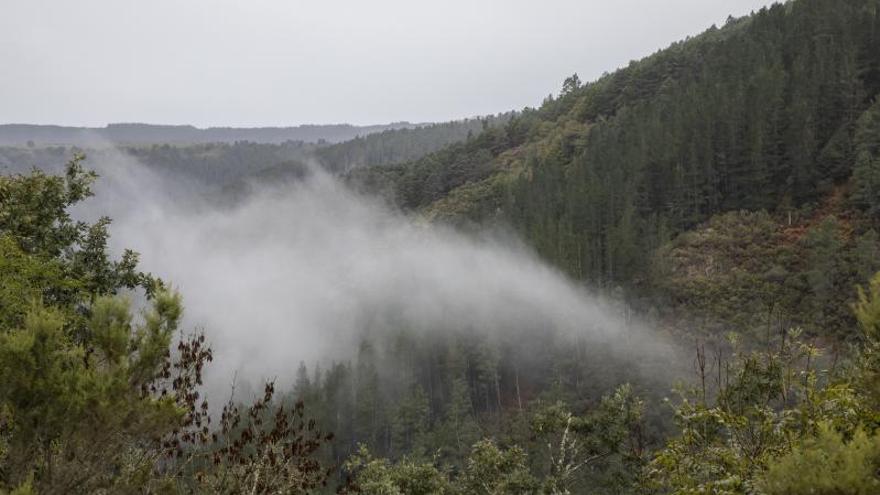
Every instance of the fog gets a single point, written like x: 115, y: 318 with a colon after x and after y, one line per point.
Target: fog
x: 301, y: 271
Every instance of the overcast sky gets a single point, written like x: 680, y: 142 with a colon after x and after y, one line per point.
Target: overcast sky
x: 288, y: 62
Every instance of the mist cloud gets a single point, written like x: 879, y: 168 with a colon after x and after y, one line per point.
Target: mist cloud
x: 301, y: 271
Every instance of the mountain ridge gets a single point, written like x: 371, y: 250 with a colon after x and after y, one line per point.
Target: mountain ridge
x: 141, y: 133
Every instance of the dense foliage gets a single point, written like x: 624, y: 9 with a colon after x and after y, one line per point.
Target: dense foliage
x: 403, y: 145
x: 93, y: 400
x: 228, y: 164
x: 774, y: 112
x: 729, y: 184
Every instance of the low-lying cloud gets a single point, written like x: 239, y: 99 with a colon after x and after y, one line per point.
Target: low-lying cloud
x: 300, y: 271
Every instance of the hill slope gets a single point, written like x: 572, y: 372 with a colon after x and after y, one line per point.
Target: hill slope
x: 770, y: 112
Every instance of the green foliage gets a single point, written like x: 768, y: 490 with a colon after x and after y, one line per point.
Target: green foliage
x: 25, y: 488
x: 73, y: 364
x: 381, y: 477
x: 34, y: 216
x: 605, y: 441
x: 757, y: 274
x: 491, y: 470
x: 827, y: 464
x: 233, y: 167
x: 33, y: 208
x: 410, y: 423
x: 866, y: 171
x: 568, y: 453
x: 460, y: 429
x: 72, y: 413
x: 26, y: 279
x: 570, y: 85
x: 727, y: 273
x: 867, y: 309
x: 92, y: 398
x: 778, y: 422
x: 770, y: 112
x: 403, y: 145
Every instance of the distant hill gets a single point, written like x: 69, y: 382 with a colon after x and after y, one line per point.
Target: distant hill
x: 207, y: 163
x: 51, y: 135
x: 386, y: 148
x: 404, y: 144
x: 234, y: 165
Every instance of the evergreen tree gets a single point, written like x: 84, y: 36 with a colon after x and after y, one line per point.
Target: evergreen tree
x: 866, y: 171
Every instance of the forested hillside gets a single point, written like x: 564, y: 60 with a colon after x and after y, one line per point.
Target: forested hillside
x: 402, y: 145
x: 213, y: 164
x: 228, y: 163
x: 96, y: 399
x: 775, y: 112
x: 716, y: 202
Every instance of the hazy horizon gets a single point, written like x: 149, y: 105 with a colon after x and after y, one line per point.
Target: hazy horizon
x: 278, y: 64
x: 159, y: 124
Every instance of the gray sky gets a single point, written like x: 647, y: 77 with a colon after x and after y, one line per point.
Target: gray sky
x: 288, y: 62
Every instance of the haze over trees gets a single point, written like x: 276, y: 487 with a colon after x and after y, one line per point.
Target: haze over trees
x: 772, y: 112
x: 222, y: 162
x: 722, y: 193
x: 134, y: 134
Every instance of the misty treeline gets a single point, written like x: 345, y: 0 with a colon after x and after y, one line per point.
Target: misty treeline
x: 727, y: 183
x: 144, y: 134
x: 97, y: 398
x: 774, y: 112
x: 228, y: 164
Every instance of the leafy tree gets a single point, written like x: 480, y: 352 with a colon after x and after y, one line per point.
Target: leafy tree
x: 491, y: 470
x: 605, y: 440
x: 93, y: 398
x: 826, y: 464
x: 380, y: 477
x: 776, y: 416
x: 867, y: 309
x: 570, y: 85
x: 767, y: 403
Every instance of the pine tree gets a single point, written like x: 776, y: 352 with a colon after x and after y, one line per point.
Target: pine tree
x: 866, y: 172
